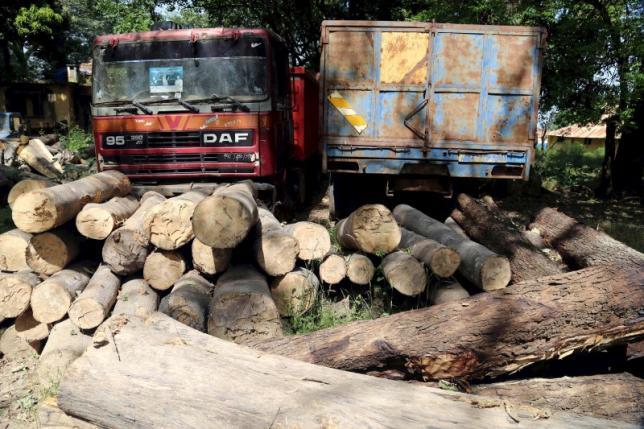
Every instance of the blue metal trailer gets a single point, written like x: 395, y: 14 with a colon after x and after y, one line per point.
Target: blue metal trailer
x: 421, y: 103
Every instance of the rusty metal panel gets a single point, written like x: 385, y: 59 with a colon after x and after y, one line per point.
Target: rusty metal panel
x: 454, y: 116
x: 457, y: 60
x: 508, y: 118
x: 403, y: 57
x: 393, y: 107
x: 511, y: 61
x: 350, y: 59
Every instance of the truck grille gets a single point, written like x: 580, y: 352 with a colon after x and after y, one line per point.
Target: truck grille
x: 172, y: 139
x: 178, y: 158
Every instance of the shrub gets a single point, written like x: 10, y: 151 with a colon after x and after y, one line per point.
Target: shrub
x: 569, y: 165
x: 76, y: 140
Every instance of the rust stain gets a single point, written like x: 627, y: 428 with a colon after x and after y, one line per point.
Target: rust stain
x: 444, y: 366
x: 461, y: 59
x: 403, y: 58
x: 350, y: 58
x: 458, y: 117
x: 514, y: 62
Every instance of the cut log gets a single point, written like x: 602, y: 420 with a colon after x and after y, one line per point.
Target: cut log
x: 479, y: 265
x: 65, y: 344
x: 170, y: 222
x: 51, y: 299
x: 38, y: 157
x: 12, y: 346
x: 242, y: 308
x: 371, y: 229
x: 48, y: 139
x: 136, y: 298
x: 95, y: 302
x: 27, y: 185
x: 441, y: 260
x: 333, y: 269
x: 582, y: 246
x: 189, y: 299
x: 163, y: 268
x: 313, y: 240
x: 13, y: 249
x: 195, y: 390
x: 225, y: 218
x: 97, y: 221
x: 360, y: 269
x: 404, y: 273
x: 449, y: 221
x: 9, y: 150
x: 51, y: 251
x: 616, y: 397
x: 29, y: 329
x: 209, y: 260
x: 448, y: 292
x: 126, y: 248
x: 44, y: 209
x: 496, y: 333
x: 295, y: 293
x: 488, y: 226
x: 275, y: 250
x: 50, y: 416
x: 15, y: 293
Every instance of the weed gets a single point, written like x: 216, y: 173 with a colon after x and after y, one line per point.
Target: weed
x: 568, y: 166
x: 76, y: 140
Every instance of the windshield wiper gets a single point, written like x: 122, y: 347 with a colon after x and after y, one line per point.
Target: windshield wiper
x: 185, y: 104
x: 126, y: 109
x: 224, y: 99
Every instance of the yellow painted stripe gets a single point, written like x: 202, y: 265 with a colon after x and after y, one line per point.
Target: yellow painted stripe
x: 355, y: 120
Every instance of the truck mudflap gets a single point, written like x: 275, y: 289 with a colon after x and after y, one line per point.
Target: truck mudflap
x: 488, y: 163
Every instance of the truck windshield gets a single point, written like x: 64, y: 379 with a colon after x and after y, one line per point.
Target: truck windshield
x: 149, y: 71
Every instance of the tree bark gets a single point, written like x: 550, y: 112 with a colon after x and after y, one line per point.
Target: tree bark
x: 38, y: 157
x: 495, y: 333
x: 617, y: 397
x: 196, y: 390
x: 479, y: 265
x: 44, y: 209
x: 225, y: 218
x: 26, y: 185
x: 448, y: 292
x: 95, y: 302
x: 313, y: 240
x: 295, y: 293
x: 13, y: 249
x: 163, y: 268
x: 370, y: 229
x: 51, y: 251
x: 486, y: 225
x: 29, y: 329
x: 97, y: 221
x: 50, y: 416
x: 404, y: 273
x: 441, y: 260
x: 126, y: 248
x: 51, y: 299
x: 242, y: 308
x: 170, y: 222
x: 333, y: 269
x: 15, y: 293
x: 65, y: 344
x: 12, y: 346
x: 275, y: 250
x: 136, y: 298
x: 188, y: 302
x: 360, y: 269
x: 209, y: 260
x: 582, y: 246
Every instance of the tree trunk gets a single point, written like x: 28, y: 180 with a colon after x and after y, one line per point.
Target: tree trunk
x: 479, y: 265
x: 370, y: 229
x: 209, y: 260
x: 582, y: 246
x: 225, y: 218
x: 51, y: 251
x: 170, y: 222
x: 136, y: 298
x: 404, y: 273
x: 448, y: 292
x: 486, y: 225
x: 13, y: 248
x: 441, y: 260
x: 97, y: 221
x: 26, y: 185
x: 295, y: 293
x: 616, y: 397
x: 275, y: 250
x: 51, y: 299
x: 50, y: 416
x: 65, y: 344
x: 333, y: 269
x: 495, y: 333
x: 313, y: 240
x: 189, y: 299
x: 163, y: 268
x: 195, y: 391
x: 95, y: 302
x: 126, y: 248
x: 29, y: 329
x: 38, y: 157
x: 360, y: 269
x: 44, y: 209
x: 242, y: 308
x: 15, y: 293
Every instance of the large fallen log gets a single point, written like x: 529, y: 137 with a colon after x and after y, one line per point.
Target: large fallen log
x: 195, y: 391
x: 126, y: 248
x: 582, y: 246
x: 479, y: 265
x: 617, y: 397
x: 50, y: 416
x: 66, y: 343
x: 13, y: 249
x: 26, y: 185
x: 98, y: 220
x: 275, y: 250
x: 38, y: 157
x: 487, y: 334
x: 170, y: 223
x: 371, y: 229
x: 44, y: 209
x: 484, y: 223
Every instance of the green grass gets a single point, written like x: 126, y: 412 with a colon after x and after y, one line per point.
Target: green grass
x: 568, y: 166
x: 326, y: 313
